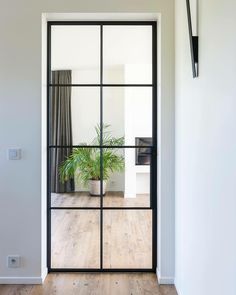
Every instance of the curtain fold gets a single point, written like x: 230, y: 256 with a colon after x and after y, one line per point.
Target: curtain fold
x: 60, y: 128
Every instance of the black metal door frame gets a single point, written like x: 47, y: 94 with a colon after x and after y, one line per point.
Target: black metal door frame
x: 153, y: 148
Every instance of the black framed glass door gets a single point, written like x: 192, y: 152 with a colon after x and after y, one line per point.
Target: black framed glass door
x: 102, y: 146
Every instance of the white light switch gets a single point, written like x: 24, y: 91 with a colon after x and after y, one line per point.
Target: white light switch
x: 14, y: 154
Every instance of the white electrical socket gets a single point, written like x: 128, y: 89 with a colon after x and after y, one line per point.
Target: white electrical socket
x: 13, y: 261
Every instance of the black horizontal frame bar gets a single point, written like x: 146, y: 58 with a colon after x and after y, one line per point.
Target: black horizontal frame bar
x: 102, y: 146
x: 100, y: 85
x: 104, y: 23
x: 123, y: 270
x: 98, y: 208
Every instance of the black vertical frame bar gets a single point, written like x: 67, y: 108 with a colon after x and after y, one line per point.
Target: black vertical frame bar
x: 153, y: 167
x: 154, y: 149
x: 101, y: 149
x: 48, y: 149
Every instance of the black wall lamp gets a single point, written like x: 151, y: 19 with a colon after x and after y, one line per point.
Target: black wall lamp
x: 192, y: 14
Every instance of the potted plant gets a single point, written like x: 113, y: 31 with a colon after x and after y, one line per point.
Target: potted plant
x: 83, y: 164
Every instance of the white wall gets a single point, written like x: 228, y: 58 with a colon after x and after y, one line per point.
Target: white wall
x: 21, y: 220
x: 206, y: 153
x: 138, y: 123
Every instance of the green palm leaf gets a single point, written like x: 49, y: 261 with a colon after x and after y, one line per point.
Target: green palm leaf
x: 84, y: 162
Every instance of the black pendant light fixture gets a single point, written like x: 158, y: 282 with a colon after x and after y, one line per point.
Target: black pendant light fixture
x: 192, y: 14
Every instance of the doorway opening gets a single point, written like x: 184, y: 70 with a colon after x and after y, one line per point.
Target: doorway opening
x: 102, y: 145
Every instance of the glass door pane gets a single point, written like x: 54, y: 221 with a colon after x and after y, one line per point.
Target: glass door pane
x: 131, y: 118
x: 84, y: 108
x: 75, y: 240
x: 127, y: 239
x: 77, y: 48
x: 127, y: 54
x: 76, y: 189
x: 127, y: 177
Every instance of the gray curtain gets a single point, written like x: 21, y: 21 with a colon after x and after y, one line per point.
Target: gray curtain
x: 61, y: 128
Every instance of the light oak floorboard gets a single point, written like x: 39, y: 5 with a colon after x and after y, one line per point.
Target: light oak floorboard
x: 93, y: 284
x: 127, y: 239
x: 75, y: 239
x: 111, y: 199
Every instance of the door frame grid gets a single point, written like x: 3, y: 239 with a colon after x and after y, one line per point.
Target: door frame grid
x: 153, y: 147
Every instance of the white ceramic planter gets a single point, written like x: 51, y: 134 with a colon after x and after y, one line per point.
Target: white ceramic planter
x: 95, y: 186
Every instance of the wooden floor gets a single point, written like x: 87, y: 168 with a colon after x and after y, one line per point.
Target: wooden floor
x: 127, y: 234
x: 92, y: 284
x: 111, y: 199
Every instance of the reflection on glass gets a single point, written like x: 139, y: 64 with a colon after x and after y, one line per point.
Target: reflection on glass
x: 132, y: 115
x: 129, y: 185
x: 77, y: 48
x: 75, y: 240
x: 127, y: 239
x: 75, y: 177
x: 127, y: 54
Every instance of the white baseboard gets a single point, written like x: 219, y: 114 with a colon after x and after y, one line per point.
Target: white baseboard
x: 44, y: 274
x: 164, y: 280
x: 177, y: 288
x: 24, y: 280
x: 21, y: 280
